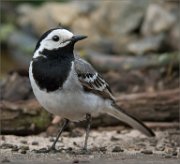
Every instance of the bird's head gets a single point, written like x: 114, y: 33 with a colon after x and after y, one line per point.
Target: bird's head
x: 56, y: 39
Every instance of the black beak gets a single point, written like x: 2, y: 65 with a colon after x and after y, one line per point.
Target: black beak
x: 76, y: 38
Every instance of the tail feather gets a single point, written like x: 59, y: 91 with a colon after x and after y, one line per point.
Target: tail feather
x: 120, y: 114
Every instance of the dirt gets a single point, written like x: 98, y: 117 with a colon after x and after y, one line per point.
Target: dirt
x: 108, y: 145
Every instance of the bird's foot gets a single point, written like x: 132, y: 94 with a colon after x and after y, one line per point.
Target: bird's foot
x: 47, y: 150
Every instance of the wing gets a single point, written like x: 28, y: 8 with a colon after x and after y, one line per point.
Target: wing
x: 91, y: 80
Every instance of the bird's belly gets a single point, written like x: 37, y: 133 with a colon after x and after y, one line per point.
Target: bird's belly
x: 70, y: 105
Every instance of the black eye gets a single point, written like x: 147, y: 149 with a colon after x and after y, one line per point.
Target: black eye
x: 55, y: 38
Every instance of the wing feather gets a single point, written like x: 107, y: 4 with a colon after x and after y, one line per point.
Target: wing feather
x: 91, y: 80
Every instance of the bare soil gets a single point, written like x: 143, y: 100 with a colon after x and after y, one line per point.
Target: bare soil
x: 107, y: 145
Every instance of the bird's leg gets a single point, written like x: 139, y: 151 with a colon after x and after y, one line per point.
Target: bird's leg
x: 52, y: 148
x: 59, y: 134
x: 88, y: 118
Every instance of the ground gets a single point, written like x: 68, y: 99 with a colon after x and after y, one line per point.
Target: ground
x: 107, y: 145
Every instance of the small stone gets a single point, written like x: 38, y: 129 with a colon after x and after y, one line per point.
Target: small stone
x: 23, y: 151
x: 118, y: 131
x: 137, y: 149
x: 76, y: 161
x: 167, y: 156
x: 160, y: 148
x: 174, y: 153
x: 69, y: 148
x: 117, y: 149
x: 42, y: 150
x: 23, y: 141
x: 147, y: 152
x: 153, y: 144
x: 169, y: 150
x: 65, y: 134
x: 35, y: 143
x: 6, y: 146
x: 141, y: 145
x: 114, y: 138
x: 15, y: 148
x: 24, y: 147
x: 51, y: 140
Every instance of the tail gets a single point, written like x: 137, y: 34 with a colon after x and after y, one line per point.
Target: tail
x: 121, y: 115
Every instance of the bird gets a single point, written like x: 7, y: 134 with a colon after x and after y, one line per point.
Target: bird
x: 70, y: 87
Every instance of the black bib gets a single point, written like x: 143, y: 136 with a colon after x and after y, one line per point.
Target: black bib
x: 52, y: 68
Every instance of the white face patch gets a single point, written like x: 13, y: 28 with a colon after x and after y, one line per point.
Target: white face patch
x: 50, y: 44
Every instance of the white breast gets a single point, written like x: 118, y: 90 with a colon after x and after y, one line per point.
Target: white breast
x: 70, y: 102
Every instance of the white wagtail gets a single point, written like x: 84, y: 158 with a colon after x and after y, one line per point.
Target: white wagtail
x: 69, y: 86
